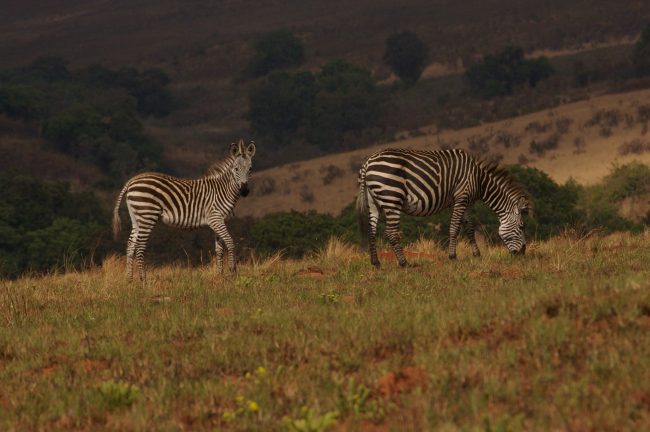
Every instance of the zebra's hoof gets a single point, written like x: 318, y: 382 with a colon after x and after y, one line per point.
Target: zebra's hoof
x: 452, y: 256
x: 404, y: 264
x: 376, y: 264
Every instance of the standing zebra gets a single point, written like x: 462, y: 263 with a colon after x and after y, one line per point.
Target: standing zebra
x: 186, y: 203
x: 421, y: 183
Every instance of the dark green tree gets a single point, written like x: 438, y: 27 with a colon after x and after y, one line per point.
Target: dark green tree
x: 347, y: 100
x: 275, y: 50
x: 279, y: 105
x: 406, y: 55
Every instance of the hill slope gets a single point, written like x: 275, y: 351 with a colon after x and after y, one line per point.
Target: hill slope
x: 579, y: 140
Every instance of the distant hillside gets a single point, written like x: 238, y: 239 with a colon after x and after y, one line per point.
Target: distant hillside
x: 580, y: 140
x: 204, y: 45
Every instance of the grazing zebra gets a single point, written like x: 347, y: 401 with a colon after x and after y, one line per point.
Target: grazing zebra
x: 421, y: 183
x: 186, y: 203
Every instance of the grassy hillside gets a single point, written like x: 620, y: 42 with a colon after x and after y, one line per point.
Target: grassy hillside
x: 578, y: 140
x: 556, y: 340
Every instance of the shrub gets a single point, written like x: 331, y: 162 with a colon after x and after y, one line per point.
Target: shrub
x: 330, y: 172
x: 636, y: 146
x: 275, y: 50
x: 405, y: 54
x: 540, y: 147
x: 21, y: 101
x: 499, y: 74
x: 265, y: 186
x: 294, y: 233
x: 43, y: 226
x: 118, y: 394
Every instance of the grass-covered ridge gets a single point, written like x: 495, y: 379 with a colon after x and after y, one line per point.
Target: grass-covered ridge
x: 555, y: 340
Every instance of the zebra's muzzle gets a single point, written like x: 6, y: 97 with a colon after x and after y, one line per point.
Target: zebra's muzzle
x: 244, y: 190
x: 521, y: 251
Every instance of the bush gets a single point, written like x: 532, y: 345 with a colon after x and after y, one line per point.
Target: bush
x: 275, y: 50
x: 294, y: 233
x: 21, y: 101
x: 405, y: 54
x: 43, y: 226
x: 499, y: 74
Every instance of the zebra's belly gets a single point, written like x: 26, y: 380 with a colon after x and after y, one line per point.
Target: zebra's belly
x: 182, y: 222
x: 417, y: 207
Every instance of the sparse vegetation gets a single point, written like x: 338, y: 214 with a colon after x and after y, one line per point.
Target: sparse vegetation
x: 539, y: 147
x: 636, y: 146
x: 265, y: 186
x: 306, y: 194
x: 506, y: 139
x: 330, y: 173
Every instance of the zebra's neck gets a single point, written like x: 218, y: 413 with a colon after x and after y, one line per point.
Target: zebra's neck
x: 497, y: 192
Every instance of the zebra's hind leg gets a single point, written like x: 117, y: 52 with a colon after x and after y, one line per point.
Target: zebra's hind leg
x: 140, y: 247
x: 130, y: 250
x: 393, y: 234
x: 470, y: 230
x: 373, y: 220
x: 460, y: 206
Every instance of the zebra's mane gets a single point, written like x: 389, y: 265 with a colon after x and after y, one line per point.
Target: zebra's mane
x: 220, y: 168
x: 504, y: 179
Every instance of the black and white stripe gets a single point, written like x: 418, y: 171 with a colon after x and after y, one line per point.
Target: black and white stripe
x: 186, y: 203
x: 421, y: 183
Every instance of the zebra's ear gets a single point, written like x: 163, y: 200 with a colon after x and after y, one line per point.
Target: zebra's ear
x: 250, y: 150
x: 235, y: 149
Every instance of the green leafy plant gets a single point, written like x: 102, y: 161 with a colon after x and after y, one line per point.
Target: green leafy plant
x: 118, y: 394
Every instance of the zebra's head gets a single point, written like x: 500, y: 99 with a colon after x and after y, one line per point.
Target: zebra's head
x: 242, y: 163
x: 511, y: 226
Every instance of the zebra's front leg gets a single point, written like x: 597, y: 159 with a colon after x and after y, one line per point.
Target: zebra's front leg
x: 218, y: 247
x: 460, y: 206
x: 470, y: 230
x: 221, y: 230
x: 393, y: 234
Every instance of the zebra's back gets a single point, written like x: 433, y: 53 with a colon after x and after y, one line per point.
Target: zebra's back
x: 418, y: 182
x: 179, y: 202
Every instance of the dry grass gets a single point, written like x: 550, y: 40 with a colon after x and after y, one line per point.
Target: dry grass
x: 556, y: 340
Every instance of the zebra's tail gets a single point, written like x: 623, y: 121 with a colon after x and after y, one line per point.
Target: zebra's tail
x: 363, y: 209
x: 117, y: 223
